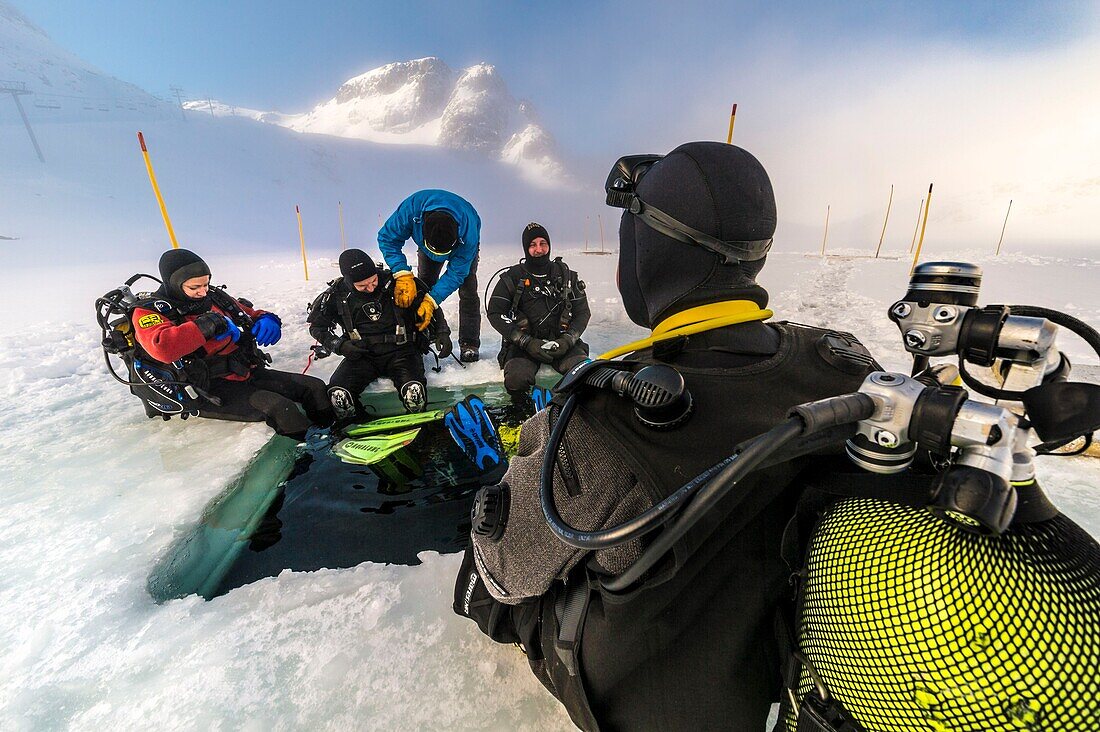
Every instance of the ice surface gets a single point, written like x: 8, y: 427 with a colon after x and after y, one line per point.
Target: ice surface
x: 94, y: 493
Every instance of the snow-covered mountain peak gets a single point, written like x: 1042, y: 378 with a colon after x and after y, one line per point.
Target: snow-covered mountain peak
x: 395, y: 98
x: 424, y: 74
x: 425, y: 102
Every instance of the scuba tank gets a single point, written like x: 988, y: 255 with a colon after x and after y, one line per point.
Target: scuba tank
x: 979, y: 610
x: 165, y: 389
x: 162, y: 388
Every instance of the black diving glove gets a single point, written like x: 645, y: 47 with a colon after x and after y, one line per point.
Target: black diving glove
x: 211, y: 324
x: 346, y: 347
x: 561, y: 345
x: 536, y: 349
x: 443, y: 345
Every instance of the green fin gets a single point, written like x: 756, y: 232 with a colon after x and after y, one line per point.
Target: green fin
x: 401, y: 421
x: 509, y: 438
x: 368, y: 450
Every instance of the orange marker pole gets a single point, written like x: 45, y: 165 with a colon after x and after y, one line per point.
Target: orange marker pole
x: 828, y: 210
x: 302, y: 238
x: 923, y: 226
x: 729, y: 135
x: 883, y: 234
x: 156, y: 191
x: 916, y: 227
x: 1001, y: 240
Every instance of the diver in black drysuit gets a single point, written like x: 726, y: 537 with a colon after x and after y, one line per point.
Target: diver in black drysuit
x: 692, y: 646
x: 377, y: 338
x: 540, y: 308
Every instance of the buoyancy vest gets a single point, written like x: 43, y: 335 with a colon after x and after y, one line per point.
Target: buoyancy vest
x: 373, y: 318
x: 545, y: 303
x: 693, y: 646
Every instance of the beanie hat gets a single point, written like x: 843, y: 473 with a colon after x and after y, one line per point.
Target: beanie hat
x: 356, y: 266
x: 531, y: 232
x: 440, y: 231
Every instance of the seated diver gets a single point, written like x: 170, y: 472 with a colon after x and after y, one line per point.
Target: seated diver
x: 378, y: 339
x: 689, y: 647
x: 216, y: 340
x: 540, y: 308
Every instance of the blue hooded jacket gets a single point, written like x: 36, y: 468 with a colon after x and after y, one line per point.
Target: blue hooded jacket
x: 408, y: 221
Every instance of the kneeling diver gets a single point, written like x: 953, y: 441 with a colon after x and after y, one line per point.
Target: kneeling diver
x: 378, y: 338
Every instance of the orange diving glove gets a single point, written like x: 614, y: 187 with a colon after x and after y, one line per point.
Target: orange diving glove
x: 424, y: 312
x: 404, y: 289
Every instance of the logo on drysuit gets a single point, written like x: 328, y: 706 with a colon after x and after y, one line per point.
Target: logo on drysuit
x: 413, y: 396
x: 373, y: 311
x: 543, y: 289
x: 162, y: 306
x: 342, y: 402
x: 148, y: 321
x: 469, y: 592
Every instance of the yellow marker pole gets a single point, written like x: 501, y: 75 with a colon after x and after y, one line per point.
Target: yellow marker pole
x: 156, y: 191
x: 883, y: 234
x: 340, y: 213
x: 729, y: 135
x: 923, y: 226
x: 916, y: 227
x: 825, y: 238
x: 302, y: 237
x: 1001, y: 240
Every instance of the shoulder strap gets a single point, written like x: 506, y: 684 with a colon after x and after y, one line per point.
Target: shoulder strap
x: 344, y: 309
x: 227, y: 303
x: 168, y: 310
x: 320, y: 303
x: 521, y: 285
x: 562, y: 270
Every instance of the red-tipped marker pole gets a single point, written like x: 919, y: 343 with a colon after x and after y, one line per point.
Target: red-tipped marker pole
x: 729, y: 135
x: 156, y: 191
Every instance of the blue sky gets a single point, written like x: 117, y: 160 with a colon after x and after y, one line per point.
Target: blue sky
x: 619, y: 62
x: 990, y: 100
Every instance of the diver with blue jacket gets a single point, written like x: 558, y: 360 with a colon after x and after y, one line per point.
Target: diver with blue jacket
x: 446, y: 229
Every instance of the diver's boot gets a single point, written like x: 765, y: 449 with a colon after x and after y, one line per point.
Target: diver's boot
x: 521, y: 409
x: 468, y: 353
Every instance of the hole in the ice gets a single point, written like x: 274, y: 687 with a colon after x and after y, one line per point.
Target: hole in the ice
x: 326, y: 514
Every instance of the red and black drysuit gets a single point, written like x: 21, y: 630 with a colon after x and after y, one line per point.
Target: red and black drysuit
x: 233, y: 373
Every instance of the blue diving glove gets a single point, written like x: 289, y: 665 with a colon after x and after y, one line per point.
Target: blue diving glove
x: 232, y: 332
x: 267, y: 330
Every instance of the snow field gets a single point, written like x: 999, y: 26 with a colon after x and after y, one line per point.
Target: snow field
x: 94, y: 493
